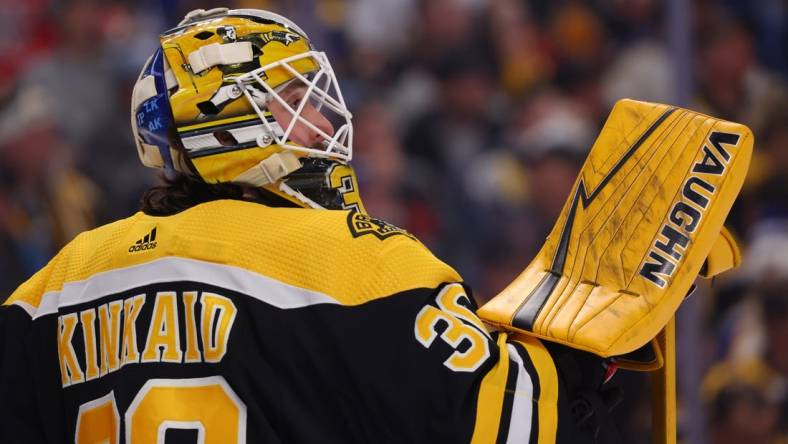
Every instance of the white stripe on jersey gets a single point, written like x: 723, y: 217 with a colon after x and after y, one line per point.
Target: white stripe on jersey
x: 522, y: 405
x: 173, y: 269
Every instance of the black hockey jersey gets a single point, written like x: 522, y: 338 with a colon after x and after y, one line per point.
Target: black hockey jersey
x: 233, y: 322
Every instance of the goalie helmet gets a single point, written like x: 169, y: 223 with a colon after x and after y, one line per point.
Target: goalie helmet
x: 201, y: 107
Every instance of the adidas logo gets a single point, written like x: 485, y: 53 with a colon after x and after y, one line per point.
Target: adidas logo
x: 146, y: 243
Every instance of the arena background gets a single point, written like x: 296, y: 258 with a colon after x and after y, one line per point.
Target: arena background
x: 472, y: 118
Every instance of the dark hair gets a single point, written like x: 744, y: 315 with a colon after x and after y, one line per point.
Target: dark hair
x: 182, y: 192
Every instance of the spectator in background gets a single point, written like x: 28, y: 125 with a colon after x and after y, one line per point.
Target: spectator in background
x: 445, y: 145
x: 768, y: 21
x: 25, y: 33
x: 81, y: 79
x: 578, y: 38
x: 378, y: 30
x: 521, y: 51
x: 381, y: 163
x: 767, y: 182
x: 743, y: 412
x: 582, y: 50
x: 442, y: 29
x: 80, y: 86
x: 748, y: 397
x: 730, y: 83
x: 631, y: 21
x: 44, y: 202
x: 747, y: 388
x: 446, y: 26
x: 641, y: 66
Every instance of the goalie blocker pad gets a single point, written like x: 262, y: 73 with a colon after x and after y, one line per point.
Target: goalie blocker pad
x: 645, y: 211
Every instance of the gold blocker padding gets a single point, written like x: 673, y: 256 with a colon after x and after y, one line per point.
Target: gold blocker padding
x: 644, y: 213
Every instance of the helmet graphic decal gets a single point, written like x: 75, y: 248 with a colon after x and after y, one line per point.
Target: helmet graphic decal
x: 221, y: 70
x: 283, y: 37
x: 241, y: 96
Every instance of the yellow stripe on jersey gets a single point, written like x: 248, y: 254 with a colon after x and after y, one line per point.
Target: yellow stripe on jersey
x: 308, y: 249
x: 490, y: 401
x: 547, y: 404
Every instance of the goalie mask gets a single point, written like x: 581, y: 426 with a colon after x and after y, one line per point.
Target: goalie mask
x: 202, y: 106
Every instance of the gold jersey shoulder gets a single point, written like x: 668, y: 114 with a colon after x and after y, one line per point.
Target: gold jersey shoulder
x: 350, y: 257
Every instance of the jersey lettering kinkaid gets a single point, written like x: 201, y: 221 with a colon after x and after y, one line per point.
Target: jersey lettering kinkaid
x: 112, y: 344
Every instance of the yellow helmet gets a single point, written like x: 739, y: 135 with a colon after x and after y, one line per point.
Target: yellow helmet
x: 199, y: 106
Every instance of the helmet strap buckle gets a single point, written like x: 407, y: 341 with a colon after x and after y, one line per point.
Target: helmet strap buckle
x: 270, y: 170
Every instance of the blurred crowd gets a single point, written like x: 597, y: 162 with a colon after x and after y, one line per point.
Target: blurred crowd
x: 472, y: 118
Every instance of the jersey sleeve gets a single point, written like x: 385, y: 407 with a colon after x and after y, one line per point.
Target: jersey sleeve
x: 523, y: 390
x: 509, y: 388
x: 570, y: 398
x: 526, y: 397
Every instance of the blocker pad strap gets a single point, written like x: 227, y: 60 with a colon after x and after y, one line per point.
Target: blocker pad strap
x: 724, y: 255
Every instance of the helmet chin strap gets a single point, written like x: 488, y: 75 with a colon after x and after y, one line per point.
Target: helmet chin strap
x: 274, y: 167
x: 270, y: 170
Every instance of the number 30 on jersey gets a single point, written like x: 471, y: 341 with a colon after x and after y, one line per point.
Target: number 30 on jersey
x: 461, y: 326
x: 207, y: 405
